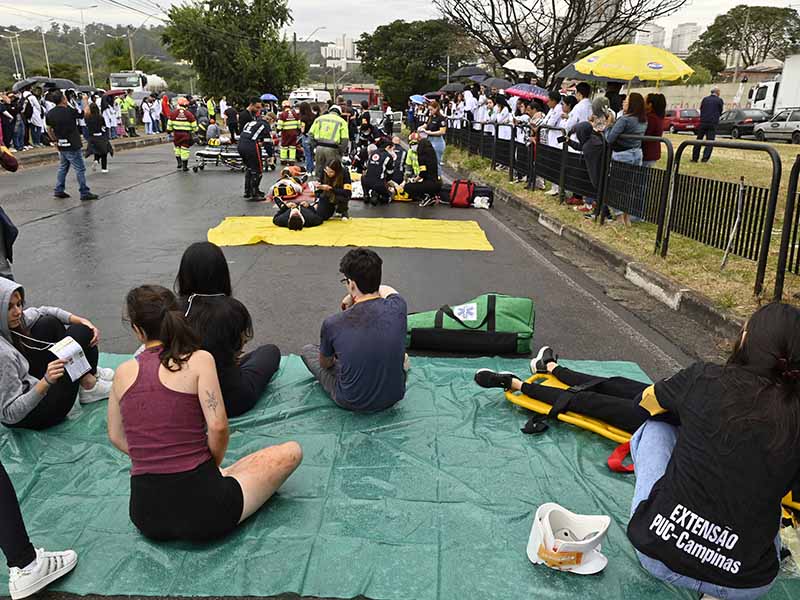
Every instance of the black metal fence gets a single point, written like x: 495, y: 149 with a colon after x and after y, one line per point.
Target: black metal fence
x: 789, y: 253
x: 736, y: 218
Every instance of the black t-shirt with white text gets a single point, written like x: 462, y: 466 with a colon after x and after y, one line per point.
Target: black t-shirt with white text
x: 63, y: 120
x: 716, y: 511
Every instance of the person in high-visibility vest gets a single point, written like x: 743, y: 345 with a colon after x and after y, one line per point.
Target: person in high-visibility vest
x: 289, y: 130
x: 183, y: 126
x: 329, y: 138
x: 412, y: 158
x: 212, y: 108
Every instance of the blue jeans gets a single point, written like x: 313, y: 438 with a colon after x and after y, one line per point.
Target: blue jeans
x: 632, y: 156
x: 72, y: 158
x: 308, y: 153
x: 651, y: 449
x: 36, y: 135
x: 438, y: 146
x: 19, y: 135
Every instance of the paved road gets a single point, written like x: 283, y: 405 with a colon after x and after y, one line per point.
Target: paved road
x: 85, y: 257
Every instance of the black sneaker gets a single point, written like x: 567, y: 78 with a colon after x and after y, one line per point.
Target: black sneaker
x: 492, y: 379
x: 61, y: 195
x: 90, y: 196
x: 546, y: 355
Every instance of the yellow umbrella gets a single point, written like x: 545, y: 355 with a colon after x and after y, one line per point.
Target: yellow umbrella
x: 634, y: 61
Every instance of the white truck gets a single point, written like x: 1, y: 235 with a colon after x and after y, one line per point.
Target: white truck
x: 782, y: 92
x: 137, y: 81
x: 309, y: 95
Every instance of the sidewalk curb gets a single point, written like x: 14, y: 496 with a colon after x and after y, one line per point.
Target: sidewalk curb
x: 677, y: 297
x: 32, y: 160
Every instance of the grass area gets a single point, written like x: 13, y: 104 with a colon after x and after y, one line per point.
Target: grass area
x: 690, y: 263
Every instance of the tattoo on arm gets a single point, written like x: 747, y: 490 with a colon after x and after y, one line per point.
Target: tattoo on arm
x: 211, y: 401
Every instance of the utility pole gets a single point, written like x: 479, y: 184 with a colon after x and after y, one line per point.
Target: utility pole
x: 46, y: 57
x: 21, y: 62
x: 89, y: 74
x: 14, y: 55
x: 739, y: 53
x: 448, y: 68
x: 294, y: 43
x: 130, y: 49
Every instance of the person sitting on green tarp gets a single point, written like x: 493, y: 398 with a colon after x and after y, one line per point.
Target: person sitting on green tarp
x: 361, y: 361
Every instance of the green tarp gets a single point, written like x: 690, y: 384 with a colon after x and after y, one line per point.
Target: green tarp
x: 431, y: 500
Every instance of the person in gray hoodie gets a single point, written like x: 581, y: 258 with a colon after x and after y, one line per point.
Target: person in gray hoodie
x: 35, y: 391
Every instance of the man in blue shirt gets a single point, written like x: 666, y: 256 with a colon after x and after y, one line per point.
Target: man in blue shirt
x: 710, y: 110
x: 361, y: 361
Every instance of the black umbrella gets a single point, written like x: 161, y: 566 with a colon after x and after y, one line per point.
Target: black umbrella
x: 569, y: 72
x: 434, y: 94
x: 478, y: 78
x: 496, y: 82
x: 469, y: 72
x: 45, y: 82
x: 170, y: 95
x: 453, y: 87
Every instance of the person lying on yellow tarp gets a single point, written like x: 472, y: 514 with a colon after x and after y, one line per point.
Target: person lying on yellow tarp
x: 716, y: 449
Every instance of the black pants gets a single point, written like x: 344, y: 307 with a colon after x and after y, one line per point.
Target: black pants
x: 376, y: 191
x: 54, y: 407
x: 423, y: 188
x: 234, y: 129
x: 164, y: 121
x: 614, y: 400
x: 102, y: 159
x: 310, y: 218
x: 244, y: 384
x: 8, y: 133
x: 254, y: 167
x: 708, y: 132
x: 13, y: 536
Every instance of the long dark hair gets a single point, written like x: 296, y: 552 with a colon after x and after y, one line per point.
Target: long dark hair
x: 337, y: 181
x: 659, y: 104
x: 203, y: 270
x: 763, y: 377
x: 304, y: 108
x: 636, y: 107
x: 154, y: 310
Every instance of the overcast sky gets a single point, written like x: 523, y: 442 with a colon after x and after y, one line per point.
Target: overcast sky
x: 335, y: 16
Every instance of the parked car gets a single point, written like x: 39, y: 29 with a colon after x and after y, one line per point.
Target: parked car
x: 681, y: 119
x: 783, y: 126
x: 740, y: 121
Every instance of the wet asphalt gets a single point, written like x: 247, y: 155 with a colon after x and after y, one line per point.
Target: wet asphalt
x: 85, y: 256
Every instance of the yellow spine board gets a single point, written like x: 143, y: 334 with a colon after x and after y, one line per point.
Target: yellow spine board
x: 595, y: 425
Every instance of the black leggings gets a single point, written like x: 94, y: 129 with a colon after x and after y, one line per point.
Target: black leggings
x: 376, y: 191
x: 243, y: 385
x: 614, y: 400
x: 54, y: 407
x: 102, y: 159
x: 13, y: 536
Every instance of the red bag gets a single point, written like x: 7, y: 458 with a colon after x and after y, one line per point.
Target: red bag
x: 461, y: 193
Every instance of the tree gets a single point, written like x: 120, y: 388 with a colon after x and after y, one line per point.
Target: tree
x: 116, y: 55
x: 236, y: 46
x: 62, y: 70
x: 551, y: 34
x: 409, y: 57
x: 758, y: 32
x: 702, y: 57
x: 701, y: 76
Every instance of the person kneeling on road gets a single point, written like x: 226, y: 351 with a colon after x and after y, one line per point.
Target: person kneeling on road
x: 167, y: 413
x: 253, y: 135
x: 35, y: 390
x: 361, y: 361
x: 377, y: 180
x: 427, y: 185
x: 334, y: 191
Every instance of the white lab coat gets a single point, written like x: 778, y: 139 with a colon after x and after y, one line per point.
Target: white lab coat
x: 502, y: 116
x: 521, y: 122
x: 223, y: 106
x: 37, y: 120
x: 582, y: 110
x: 155, y: 111
x: 553, y: 119
x: 147, y: 116
x: 110, y: 117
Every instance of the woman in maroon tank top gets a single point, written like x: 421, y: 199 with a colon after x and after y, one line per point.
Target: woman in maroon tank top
x: 167, y: 413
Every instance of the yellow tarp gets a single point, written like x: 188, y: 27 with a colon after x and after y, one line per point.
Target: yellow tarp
x: 380, y: 233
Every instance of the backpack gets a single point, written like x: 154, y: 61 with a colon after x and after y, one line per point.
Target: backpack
x: 462, y: 191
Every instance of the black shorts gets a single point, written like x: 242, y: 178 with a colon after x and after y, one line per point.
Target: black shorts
x: 197, y: 505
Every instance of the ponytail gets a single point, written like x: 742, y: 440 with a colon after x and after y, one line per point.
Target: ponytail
x: 178, y: 338
x: 154, y: 310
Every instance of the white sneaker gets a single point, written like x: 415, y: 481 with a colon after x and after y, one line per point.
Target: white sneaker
x: 48, y: 567
x: 551, y: 192
x: 100, y: 391
x: 105, y: 373
x: 104, y: 170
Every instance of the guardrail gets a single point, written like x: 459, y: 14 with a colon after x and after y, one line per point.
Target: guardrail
x: 789, y: 253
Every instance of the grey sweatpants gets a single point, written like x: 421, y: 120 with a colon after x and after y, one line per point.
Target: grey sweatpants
x: 326, y: 377
x: 322, y: 156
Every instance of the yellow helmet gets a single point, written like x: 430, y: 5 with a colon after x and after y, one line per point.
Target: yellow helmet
x: 213, y: 142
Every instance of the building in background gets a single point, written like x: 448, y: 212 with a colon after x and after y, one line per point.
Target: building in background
x: 683, y: 36
x: 651, y: 35
x: 340, y: 53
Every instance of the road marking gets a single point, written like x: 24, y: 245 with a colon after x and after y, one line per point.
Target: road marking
x: 625, y: 327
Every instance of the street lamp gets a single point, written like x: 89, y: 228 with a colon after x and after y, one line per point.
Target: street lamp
x: 14, y: 35
x: 14, y: 55
x: 89, y: 73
